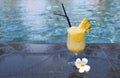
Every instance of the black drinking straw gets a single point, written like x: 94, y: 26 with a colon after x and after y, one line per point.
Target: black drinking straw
x: 66, y: 16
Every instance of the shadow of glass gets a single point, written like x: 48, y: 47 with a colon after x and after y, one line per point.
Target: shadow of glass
x: 76, y: 74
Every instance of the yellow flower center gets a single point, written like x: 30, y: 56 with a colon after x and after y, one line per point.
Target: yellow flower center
x: 82, y: 65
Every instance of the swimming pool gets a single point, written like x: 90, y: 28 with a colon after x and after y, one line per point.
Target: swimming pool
x: 34, y: 21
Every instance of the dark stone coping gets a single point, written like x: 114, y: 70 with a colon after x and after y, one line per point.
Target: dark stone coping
x: 52, y: 61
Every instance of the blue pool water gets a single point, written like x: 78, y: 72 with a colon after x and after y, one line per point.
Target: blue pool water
x: 34, y: 21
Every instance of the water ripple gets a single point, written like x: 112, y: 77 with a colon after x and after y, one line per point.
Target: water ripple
x: 36, y: 22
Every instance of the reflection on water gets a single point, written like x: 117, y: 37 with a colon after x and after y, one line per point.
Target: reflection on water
x: 34, y: 21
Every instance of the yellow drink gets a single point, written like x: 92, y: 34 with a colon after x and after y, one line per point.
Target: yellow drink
x: 76, y: 40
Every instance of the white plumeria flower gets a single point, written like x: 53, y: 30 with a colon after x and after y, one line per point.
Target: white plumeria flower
x: 82, y: 65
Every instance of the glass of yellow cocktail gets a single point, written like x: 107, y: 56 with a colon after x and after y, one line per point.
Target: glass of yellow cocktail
x: 76, y: 40
x: 76, y: 37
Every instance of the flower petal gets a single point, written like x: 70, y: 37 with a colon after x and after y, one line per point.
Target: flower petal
x: 77, y: 63
x: 78, y: 60
x: 84, y: 60
x: 87, y: 68
x: 81, y: 70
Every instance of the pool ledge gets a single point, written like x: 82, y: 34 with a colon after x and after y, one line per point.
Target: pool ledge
x: 51, y: 60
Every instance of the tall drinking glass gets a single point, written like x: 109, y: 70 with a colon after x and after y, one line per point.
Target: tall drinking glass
x: 75, y: 40
x: 76, y: 37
